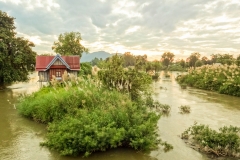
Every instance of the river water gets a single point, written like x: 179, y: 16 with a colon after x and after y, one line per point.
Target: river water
x: 20, y: 137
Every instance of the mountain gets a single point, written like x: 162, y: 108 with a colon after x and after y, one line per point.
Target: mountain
x: 88, y: 57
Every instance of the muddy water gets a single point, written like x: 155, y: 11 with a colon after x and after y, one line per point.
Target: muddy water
x: 215, y: 110
x: 20, y: 137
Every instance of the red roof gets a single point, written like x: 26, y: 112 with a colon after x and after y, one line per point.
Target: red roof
x: 44, y: 62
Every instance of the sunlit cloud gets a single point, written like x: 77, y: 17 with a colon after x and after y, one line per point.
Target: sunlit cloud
x: 132, y: 29
x: 141, y: 27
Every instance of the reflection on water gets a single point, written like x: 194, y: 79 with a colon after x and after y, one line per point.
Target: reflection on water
x: 20, y: 137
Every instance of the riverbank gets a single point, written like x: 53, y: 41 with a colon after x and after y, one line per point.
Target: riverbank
x: 224, y: 79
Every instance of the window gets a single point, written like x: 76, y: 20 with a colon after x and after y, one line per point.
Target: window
x: 58, y: 74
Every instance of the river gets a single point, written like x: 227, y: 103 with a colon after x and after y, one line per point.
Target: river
x: 20, y: 137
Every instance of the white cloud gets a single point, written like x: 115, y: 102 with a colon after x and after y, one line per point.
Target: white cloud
x: 132, y: 29
x: 132, y: 25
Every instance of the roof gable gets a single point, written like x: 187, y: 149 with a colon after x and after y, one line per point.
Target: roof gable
x: 44, y: 63
x: 57, y: 57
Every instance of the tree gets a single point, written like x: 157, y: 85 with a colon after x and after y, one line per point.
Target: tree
x: 16, y: 56
x: 157, y: 65
x: 69, y: 44
x: 238, y: 60
x: 131, y: 81
x: 86, y: 69
x: 213, y: 58
x: 167, y: 58
x: 129, y: 59
x: 225, y: 59
x: 95, y: 61
x: 193, y: 59
x: 222, y: 58
x: 141, y: 62
x: 205, y: 60
x: 182, y: 63
x: 198, y: 63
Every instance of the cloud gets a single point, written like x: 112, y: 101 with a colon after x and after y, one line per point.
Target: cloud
x: 150, y: 27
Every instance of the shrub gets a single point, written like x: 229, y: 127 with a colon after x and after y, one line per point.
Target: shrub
x: 225, y: 142
x: 163, y: 109
x: 183, y: 85
x: 184, y: 109
x: 167, y: 75
x: 176, y: 67
x: 86, y: 117
x: 155, y: 76
x: 224, y: 79
x: 86, y: 69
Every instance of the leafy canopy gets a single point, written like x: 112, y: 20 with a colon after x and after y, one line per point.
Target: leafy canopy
x: 69, y: 44
x: 130, y: 81
x: 193, y: 59
x: 16, y: 55
x: 167, y: 58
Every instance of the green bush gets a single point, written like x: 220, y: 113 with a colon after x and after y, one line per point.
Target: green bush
x: 155, y: 76
x: 226, y: 142
x: 86, y: 69
x: 223, y: 79
x: 86, y: 117
x: 176, y: 67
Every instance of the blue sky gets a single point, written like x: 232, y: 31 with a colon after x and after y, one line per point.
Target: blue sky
x: 141, y: 27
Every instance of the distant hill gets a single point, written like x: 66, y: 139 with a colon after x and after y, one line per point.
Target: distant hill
x: 90, y: 56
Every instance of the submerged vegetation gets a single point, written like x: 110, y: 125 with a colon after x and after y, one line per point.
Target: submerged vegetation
x: 184, y: 109
x: 221, y: 78
x: 225, y: 142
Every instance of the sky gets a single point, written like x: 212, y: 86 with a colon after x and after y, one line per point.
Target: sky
x: 149, y: 27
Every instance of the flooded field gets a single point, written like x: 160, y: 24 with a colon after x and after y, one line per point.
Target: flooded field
x: 20, y: 137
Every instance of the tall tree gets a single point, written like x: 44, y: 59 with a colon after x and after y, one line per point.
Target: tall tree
x: 193, y: 59
x: 16, y: 56
x: 69, y: 44
x: 167, y: 58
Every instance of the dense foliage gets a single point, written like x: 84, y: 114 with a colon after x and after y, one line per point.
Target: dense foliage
x: 222, y: 78
x: 193, y: 59
x: 85, y: 117
x: 130, y: 81
x: 16, y: 55
x: 167, y: 58
x: 176, y: 67
x: 86, y: 69
x: 226, y: 142
x: 69, y: 44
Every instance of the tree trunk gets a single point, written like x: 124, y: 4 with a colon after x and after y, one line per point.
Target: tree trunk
x: 2, y: 86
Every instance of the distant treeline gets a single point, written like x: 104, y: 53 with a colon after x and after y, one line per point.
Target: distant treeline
x: 167, y: 61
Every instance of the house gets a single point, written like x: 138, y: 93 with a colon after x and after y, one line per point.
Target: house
x: 47, y: 66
